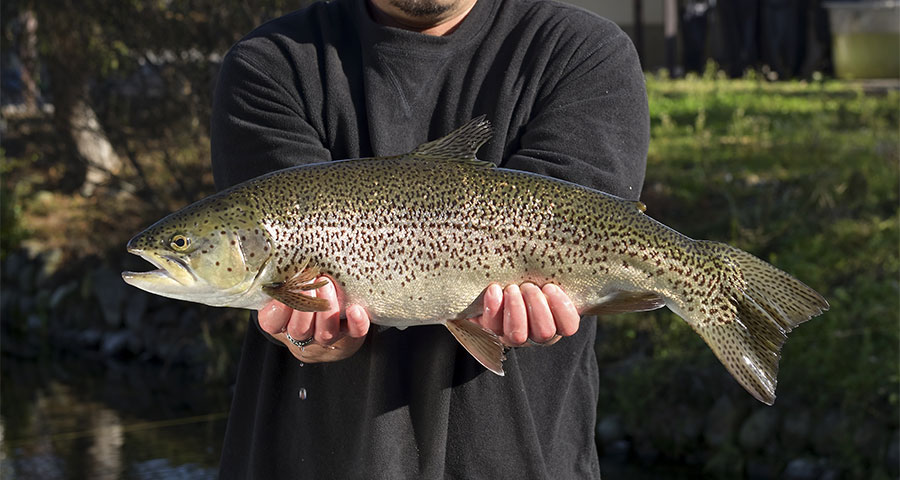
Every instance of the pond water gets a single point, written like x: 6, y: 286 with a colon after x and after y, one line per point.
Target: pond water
x: 76, y: 419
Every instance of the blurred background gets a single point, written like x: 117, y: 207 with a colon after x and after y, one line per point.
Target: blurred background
x: 775, y: 127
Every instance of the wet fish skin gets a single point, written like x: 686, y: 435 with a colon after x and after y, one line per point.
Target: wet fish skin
x: 416, y: 238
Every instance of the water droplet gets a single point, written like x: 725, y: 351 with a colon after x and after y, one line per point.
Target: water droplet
x: 302, y: 394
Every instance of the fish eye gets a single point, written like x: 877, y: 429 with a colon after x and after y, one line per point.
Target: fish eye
x: 180, y: 242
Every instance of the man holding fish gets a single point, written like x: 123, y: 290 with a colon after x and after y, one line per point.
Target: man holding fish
x: 564, y: 91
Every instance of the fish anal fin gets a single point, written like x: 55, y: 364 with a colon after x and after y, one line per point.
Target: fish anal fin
x: 624, y: 302
x: 459, y: 145
x: 481, y: 343
x: 290, y: 291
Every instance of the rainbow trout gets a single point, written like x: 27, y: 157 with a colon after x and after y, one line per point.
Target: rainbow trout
x: 416, y: 238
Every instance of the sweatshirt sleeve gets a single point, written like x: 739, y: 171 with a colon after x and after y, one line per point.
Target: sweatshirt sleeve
x: 258, y: 125
x: 592, y: 125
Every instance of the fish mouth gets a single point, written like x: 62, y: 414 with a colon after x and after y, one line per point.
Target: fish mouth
x: 171, y: 273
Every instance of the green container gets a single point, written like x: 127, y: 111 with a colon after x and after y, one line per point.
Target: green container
x: 865, y: 39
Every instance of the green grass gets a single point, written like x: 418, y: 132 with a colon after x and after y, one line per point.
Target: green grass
x: 804, y: 175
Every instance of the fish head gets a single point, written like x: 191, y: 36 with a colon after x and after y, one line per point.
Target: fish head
x: 210, y: 252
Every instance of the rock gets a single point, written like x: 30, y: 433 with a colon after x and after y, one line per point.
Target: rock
x: 795, y: 428
x: 110, y: 291
x: 189, y: 318
x: 892, y: 456
x: 27, y: 304
x: 90, y: 339
x: 134, y: 309
x: 761, y: 469
x: 831, y: 473
x: 35, y: 322
x: 758, y: 429
x: 26, y: 277
x: 617, y: 451
x: 169, y: 314
x: 645, y: 451
x: 610, y: 429
x: 114, y: 344
x: 8, y: 302
x: 689, y: 425
x: 868, y: 438
x: 828, y: 433
x: 121, y: 345
x: 190, y: 354
x: 13, y: 266
x: 722, y: 422
x: 61, y: 293
x: 804, y: 468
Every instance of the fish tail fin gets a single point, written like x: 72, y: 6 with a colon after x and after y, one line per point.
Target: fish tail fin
x: 746, y: 315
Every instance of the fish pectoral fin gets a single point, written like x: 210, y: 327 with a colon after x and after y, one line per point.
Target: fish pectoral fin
x: 480, y: 342
x: 295, y: 299
x: 624, y: 302
x: 290, y: 292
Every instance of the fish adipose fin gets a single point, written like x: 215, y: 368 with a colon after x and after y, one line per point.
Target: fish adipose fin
x: 483, y: 344
x: 459, y: 145
x: 290, y: 292
x: 746, y: 319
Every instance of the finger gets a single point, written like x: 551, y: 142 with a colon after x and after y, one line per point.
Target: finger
x: 357, y: 321
x: 541, y: 326
x: 273, y: 317
x: 515, y: 317
x: 564, y: 313
x: 300, y: 325
x: 328, y: 323
x: 492, y: 316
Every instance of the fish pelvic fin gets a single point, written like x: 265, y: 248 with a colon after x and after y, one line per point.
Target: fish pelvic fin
x: 480, y: 342
x: 459, y: 145
x: 746, y: 319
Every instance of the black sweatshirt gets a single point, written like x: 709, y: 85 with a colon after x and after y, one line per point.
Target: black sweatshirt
x: 565, y: 93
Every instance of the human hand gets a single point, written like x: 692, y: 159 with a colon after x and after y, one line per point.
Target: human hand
x: 521, y: 313
x: 333, y: 338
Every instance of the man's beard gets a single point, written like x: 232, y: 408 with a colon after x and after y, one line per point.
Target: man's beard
x: 422, y: 8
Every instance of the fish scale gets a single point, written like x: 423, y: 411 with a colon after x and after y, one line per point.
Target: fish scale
x: 415, y: 239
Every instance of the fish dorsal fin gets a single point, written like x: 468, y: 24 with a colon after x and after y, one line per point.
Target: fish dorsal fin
x: 459, y: 145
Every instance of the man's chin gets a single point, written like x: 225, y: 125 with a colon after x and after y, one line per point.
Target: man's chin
x: 424, y: 9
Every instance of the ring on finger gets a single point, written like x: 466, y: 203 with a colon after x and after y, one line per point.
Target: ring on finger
x: 542, y: 344
x: 298, y: 343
